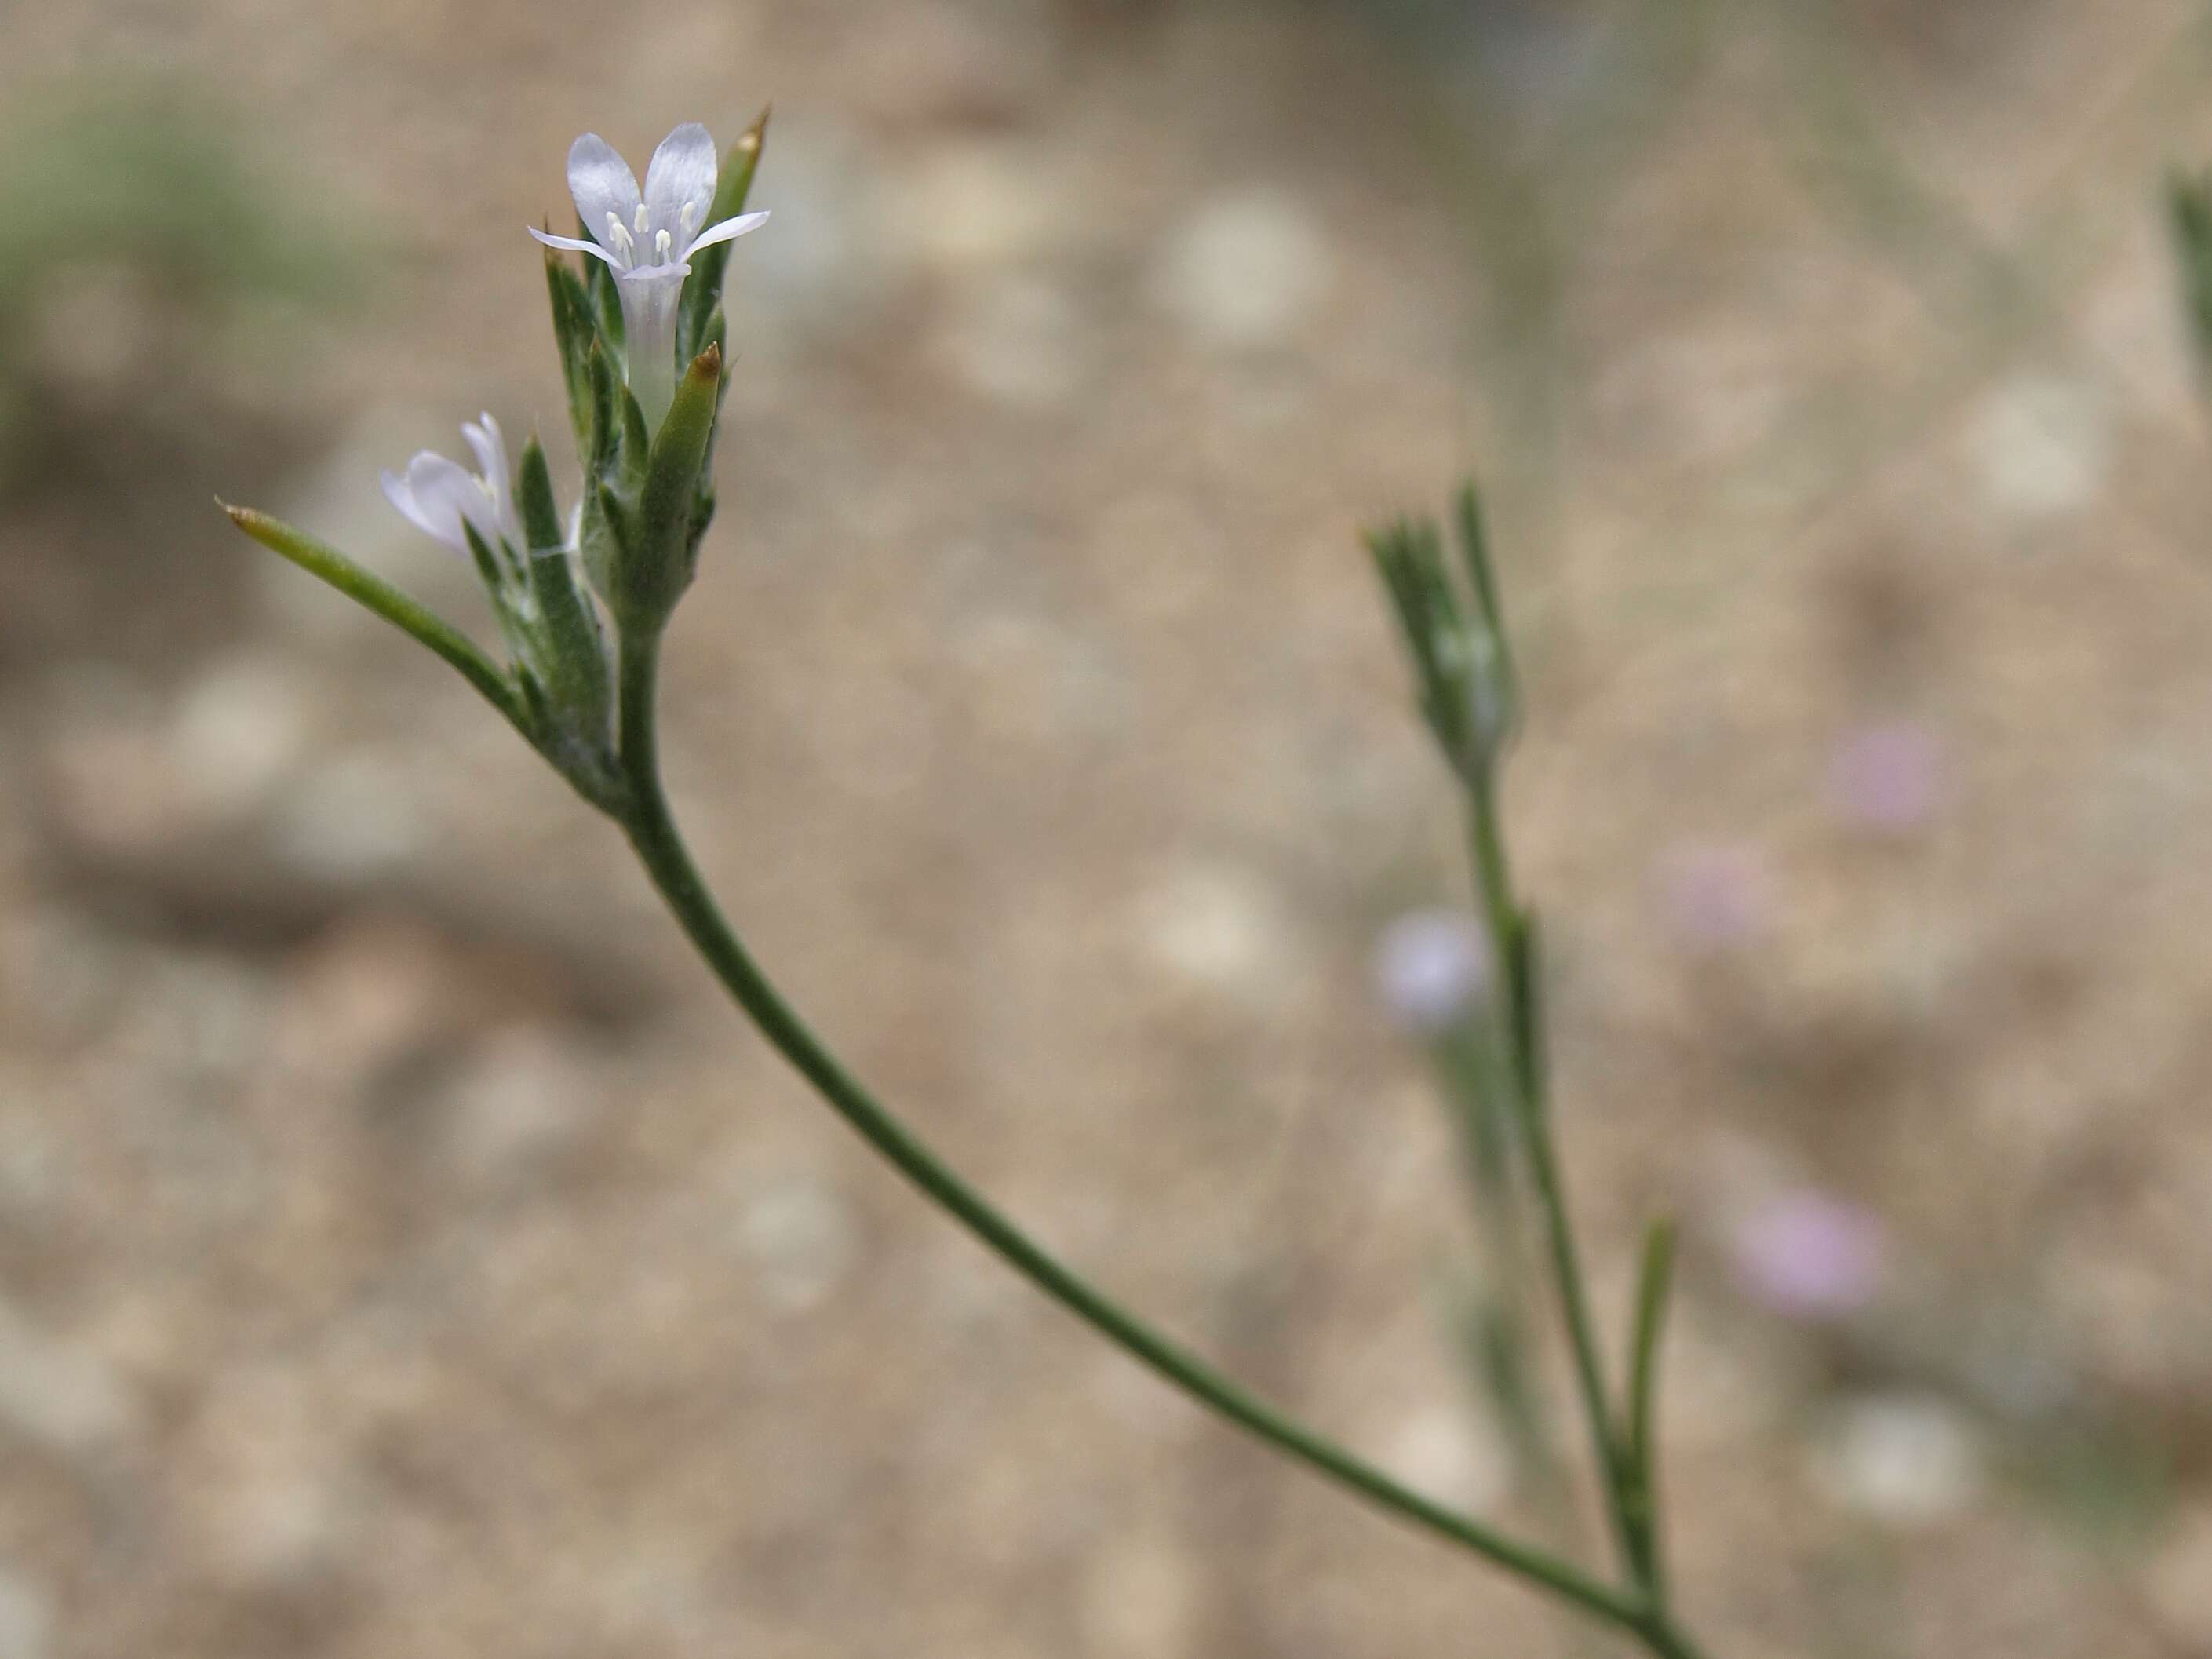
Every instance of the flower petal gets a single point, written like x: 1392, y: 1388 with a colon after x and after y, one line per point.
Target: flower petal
x: 726, y: 230
x: 445, y: 492
x: 401, y: 495
x: 573, y: 242
x: 681, y: 175
x: 490, y: 447
x: 602, y: 184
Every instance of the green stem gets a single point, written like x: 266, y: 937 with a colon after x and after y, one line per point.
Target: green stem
x: 1504, y: 924
x: 1643, y: 1401
x: 659, y: 846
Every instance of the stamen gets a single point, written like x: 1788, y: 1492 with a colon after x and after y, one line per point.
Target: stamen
x: 690, y: 218
x: 660, y: 245
x: 621, y: 242
x: 641, y: 220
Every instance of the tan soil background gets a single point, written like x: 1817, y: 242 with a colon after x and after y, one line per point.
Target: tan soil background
x: 402, y: 1251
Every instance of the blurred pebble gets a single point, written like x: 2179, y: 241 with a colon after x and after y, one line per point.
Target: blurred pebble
x: 2178, y: 1579
x: 1431, y: 968
x: 1014, y: 339
x: 67, y: 977
x: 1440, y: 1450
x: 1218, y: 928
x: 351, y: 817
x: 1714, y: 895
x: 802, y: 1240
x: 1246, y: 270
x: 260, y: 1480
x: 112, y: 782
x: 238, y: 728
x: 32, y: 1149
x: 980, y: 202
x: 1809, y: 1254
x: 949, y: 65
x: 1905, y: 1460
x: 2042, y: 443
x: 199, y: 1015
x: 26, y: 1618
x: 1140, y: 1598
x: 522, y: 1096
x: 58, y: 1395
x: 372, y: 990
x: 96, y: 330
x: 1887, y: 776
x: 835, y: 250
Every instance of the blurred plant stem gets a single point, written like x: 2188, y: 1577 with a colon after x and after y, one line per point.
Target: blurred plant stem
x: 1469, y: 692
x: 660, y: 847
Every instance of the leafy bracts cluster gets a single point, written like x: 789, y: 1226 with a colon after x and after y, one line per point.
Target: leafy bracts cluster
x: 1462, y: 662
x: 641, y: 335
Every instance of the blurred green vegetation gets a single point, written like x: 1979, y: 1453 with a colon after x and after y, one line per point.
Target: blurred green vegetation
x: 153, y: 184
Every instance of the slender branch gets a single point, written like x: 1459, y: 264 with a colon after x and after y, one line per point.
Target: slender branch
x: 1520, y: 1023
x: 1642, y: 1448
x: 659, y: 846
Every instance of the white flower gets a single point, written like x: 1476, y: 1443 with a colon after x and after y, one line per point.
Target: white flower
x: 647, y: 242
x: 1432, y: 969
x: 437, y: 494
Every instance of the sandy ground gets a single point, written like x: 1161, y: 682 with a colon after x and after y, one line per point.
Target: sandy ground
x: 403, y: 1251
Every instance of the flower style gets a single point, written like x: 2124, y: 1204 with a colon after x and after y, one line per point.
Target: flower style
x: 439, y: 496
x: 647, y: 242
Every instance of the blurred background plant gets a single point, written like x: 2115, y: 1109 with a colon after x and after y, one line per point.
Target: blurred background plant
x: 162, y: 284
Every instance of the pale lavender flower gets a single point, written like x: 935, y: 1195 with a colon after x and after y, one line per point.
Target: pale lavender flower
x: 1887, y: 776
x: 647, y: 240
x: 1809, y: 1255
x: 1715, y: 895
x: 1431, y: 968
x: 437, y: 495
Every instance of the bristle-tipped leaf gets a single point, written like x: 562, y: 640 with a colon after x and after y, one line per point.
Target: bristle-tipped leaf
x: 573, y: 331
x: 702, y: 290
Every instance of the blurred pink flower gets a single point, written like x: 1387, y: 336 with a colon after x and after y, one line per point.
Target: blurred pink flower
x: 1887, y: 776
x: 1809, y: 1255
x: 1715, y: 894
x: 1431, y: 968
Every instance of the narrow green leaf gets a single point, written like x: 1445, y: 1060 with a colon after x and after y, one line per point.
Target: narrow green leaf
x: 575, y: 334
x: 373, y: 593
x: 702, y: 289
x: 605, y: 435
x: 541, y: 512
x: 606, y: 297
x: 656, y: 575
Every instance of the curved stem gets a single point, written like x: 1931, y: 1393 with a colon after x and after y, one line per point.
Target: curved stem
x: 659, y: 846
